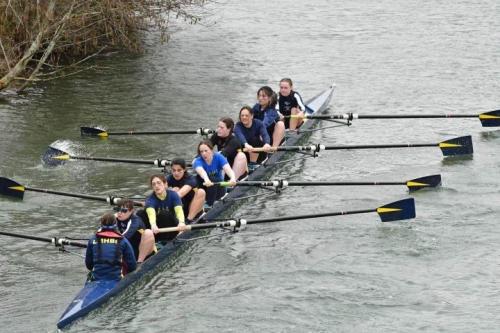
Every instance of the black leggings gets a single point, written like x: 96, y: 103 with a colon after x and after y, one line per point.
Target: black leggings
x: 164, y: 219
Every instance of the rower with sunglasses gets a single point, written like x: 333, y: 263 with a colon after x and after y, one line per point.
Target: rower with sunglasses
x: 132, y: 228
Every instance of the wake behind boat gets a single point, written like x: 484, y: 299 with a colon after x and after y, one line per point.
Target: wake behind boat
x: 96, y: 293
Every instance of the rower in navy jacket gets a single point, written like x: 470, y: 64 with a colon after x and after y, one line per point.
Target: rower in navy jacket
x: 230, y: 146
x: 290, y: 103
x: 186, y: 186
x: 131, y: 226
x: 251, y: 133
x: 266, y: 111
x: 109, y: 255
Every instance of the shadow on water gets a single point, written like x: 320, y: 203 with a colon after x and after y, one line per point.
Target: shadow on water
x: 490, y: 135
x: 456, y: 160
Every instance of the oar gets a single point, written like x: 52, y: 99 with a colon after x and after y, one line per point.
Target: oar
x: 96, y: 131
x: 58, y: 242
x: 488, y: 118
x: 398, y: 210
x: 54, y: 156
x: 413, y: 184
x: 457, y: 146
x: 12, y: 188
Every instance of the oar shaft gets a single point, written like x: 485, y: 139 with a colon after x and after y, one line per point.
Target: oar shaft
x: 153, y: 132
x: 112, y: 200
x: 54, y: 240
x: 40, y: 239
x: 342, y: 183
x: 68, y: 194
x: 284, y: 183
x: 109, y: 159
x: 414, y: 116
x: 403, y: 145
x: 318, y: 148
x: 233, y: 223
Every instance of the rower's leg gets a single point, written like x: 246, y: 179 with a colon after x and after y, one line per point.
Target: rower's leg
x: 279, y: 133
x: 240, y: 165
x: 147, y: 245
x: 296, y: 122
x: 197, y: 203
x: 254, y: 157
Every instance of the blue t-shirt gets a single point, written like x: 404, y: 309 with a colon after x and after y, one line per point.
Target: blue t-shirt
x: 213, y: 170
x: 172, y: 200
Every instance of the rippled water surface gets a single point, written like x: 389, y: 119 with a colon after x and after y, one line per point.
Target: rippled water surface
x: 437, y: 273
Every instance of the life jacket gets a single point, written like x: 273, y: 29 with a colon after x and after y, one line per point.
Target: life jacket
x: 109, y: 234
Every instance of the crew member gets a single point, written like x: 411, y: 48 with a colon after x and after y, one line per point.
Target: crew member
x: 186, y: 186
x: 210, y: 167
x: 230, y: 146
x: 132, y: 228
x: 290, y: 103
x: 109, y: 255
x: 163, y: 208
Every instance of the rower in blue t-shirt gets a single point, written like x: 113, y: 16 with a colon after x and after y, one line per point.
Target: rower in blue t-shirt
x: 210, y: 167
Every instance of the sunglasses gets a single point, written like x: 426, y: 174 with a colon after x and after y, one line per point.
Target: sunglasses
x: 120, y: 209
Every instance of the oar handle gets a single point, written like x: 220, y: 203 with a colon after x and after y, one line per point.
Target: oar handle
x: 260, y: 150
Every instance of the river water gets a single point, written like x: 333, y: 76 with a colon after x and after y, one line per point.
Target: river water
x: 436, y: 273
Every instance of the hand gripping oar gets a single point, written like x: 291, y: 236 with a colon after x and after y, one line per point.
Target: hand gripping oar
x: 457, y: 146
x: 11, y: 188
x: 398, y: 210
x: 488, y: 118
x: 57, y: 242
x: 413, y: 184
x: 54, y: 157
x: 96, y: 131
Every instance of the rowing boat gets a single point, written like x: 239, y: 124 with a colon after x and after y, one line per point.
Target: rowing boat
x: 96, y: 293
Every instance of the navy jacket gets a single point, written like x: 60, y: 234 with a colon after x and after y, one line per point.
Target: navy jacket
x: 107, y: 254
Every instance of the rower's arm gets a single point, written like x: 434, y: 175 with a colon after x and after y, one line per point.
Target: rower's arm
x: 227, y: 169
x: 300, y: 102
x: 128, y: 256
x: 151, y: 216
x: 184, y: 190
x: 89, y: 256
x: 179, y: 213
x: 203, y: 174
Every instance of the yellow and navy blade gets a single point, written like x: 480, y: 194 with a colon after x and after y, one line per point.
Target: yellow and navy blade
x: 93, y: 131
x: 457, y: 146
x: 11, y: 188
x: 423, y: 182
x: 54, y: 157
x: 490, y: 119
x: 398, y: 210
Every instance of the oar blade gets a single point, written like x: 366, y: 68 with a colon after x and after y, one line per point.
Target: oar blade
x: 11, y: 188
x: 93, y: 131
x: 423, y: 182
x: 398, y: 210
x: 54, y: 157
x: 457, y: 146
x: 490, y: 119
